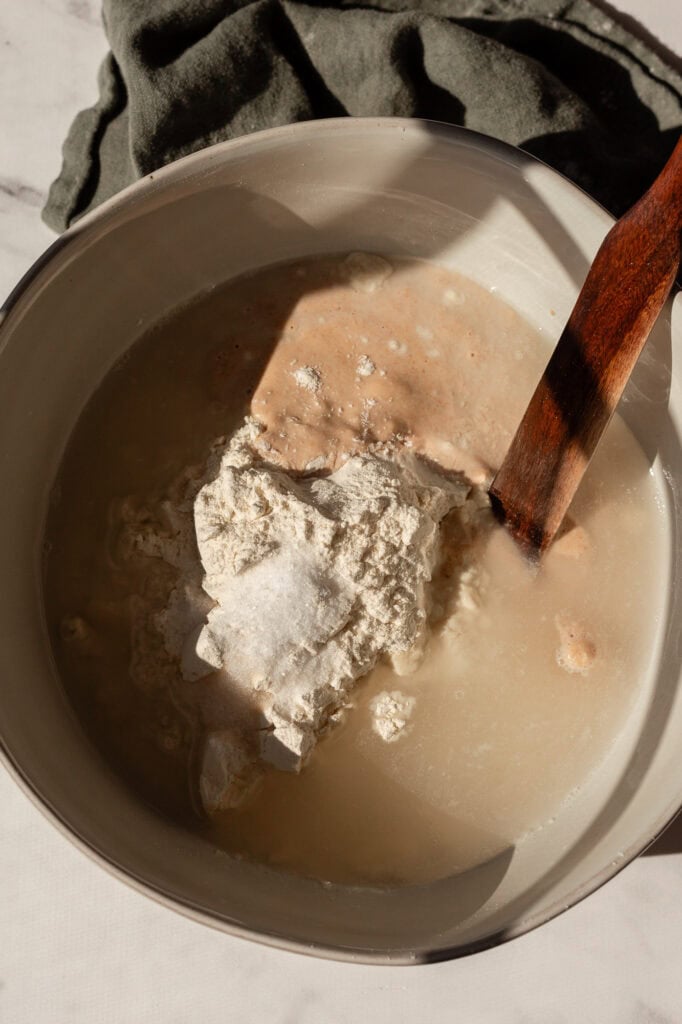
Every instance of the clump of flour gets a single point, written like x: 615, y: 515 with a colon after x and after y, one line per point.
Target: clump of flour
x: 289, y: 590
x: 365, y: 367
x: 308, y: 378
x: 391, y: 713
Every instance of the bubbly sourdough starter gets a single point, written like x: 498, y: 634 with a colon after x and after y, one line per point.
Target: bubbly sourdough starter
x: 526, y: 678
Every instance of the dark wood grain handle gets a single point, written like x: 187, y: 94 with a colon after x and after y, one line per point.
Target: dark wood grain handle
x: 623, y: 293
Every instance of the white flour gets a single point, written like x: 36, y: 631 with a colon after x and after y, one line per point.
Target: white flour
x: 391, y: 713
x: 308, y: 377
x: 291, y: 590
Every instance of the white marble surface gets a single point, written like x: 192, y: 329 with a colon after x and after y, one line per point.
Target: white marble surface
x: 78, y: 947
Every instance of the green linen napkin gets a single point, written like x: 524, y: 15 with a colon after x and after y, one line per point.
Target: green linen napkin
x: 560, y: 79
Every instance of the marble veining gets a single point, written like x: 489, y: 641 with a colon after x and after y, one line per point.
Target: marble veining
x: 21, y: 193
x: 77, y: 946
x: 86, y: 10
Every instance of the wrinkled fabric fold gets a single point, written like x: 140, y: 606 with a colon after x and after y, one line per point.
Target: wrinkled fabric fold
x: 560, y: 79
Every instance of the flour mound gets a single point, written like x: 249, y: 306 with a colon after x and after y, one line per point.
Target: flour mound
x: 313, y: 580
x: 289, y: 590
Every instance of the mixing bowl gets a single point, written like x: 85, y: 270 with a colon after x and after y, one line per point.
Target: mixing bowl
x: 394, y: 186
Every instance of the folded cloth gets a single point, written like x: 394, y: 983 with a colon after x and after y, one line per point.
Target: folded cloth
x: 559, y: 78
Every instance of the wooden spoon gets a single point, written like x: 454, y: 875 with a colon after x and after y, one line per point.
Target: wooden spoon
x: 623, y: 294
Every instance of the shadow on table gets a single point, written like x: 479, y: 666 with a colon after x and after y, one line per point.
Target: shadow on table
x: 669, y: 842
x: 642, y: 33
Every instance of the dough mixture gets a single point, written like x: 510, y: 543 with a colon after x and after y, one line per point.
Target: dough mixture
x: 287, y: 615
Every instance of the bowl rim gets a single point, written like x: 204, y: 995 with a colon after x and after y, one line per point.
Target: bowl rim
x: 96, y: 220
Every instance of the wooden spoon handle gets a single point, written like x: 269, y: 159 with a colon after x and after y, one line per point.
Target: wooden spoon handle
x: 623, y: 294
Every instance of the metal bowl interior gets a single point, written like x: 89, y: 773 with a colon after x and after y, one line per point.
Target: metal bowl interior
x: 402, y: 187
